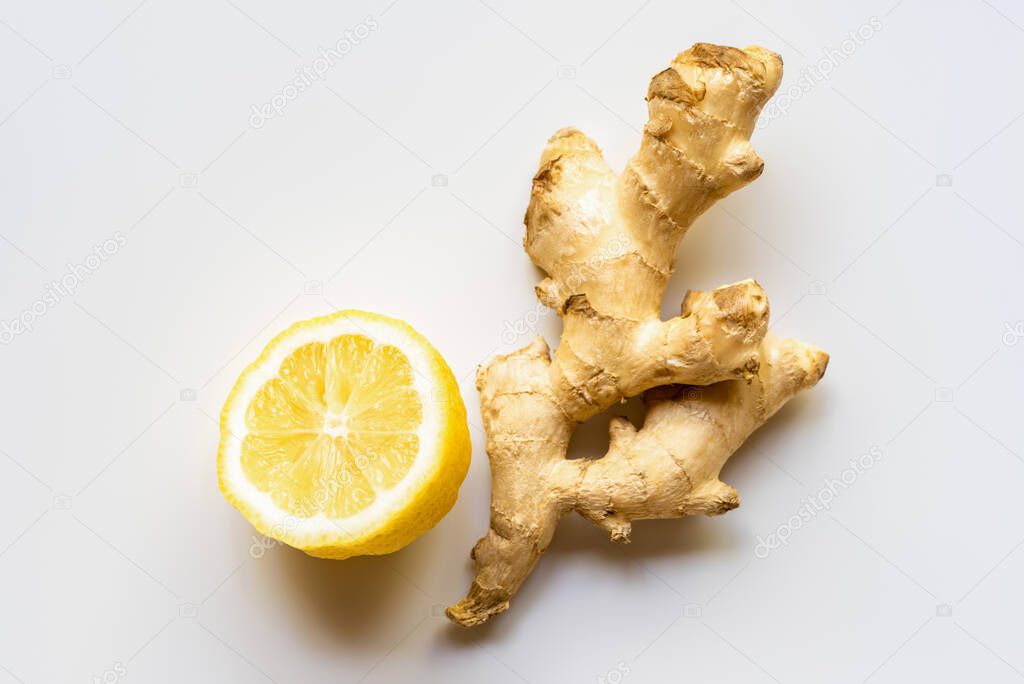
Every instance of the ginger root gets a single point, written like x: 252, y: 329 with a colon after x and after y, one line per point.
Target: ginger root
x: 607, y: 243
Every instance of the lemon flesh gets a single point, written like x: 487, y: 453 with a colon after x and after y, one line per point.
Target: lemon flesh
x: 347, y: 436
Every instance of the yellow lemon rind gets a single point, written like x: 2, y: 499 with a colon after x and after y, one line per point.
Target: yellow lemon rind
x: 427, y: 500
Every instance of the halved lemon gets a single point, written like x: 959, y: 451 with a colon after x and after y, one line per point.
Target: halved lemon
x: 347, y: 436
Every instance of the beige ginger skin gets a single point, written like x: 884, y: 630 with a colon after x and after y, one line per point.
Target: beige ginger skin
x: 607, y: 243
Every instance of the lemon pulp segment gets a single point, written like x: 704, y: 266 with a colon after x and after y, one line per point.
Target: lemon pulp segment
x: 336, y: 442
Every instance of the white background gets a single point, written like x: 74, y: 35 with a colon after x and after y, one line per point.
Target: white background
x: 120, y: 560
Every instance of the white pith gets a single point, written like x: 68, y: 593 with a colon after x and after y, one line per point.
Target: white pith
x: 281, y: 524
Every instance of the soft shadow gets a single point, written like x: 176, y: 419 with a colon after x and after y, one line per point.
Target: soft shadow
x: 651, y: 539
x: 805, y: 408
x: 353, y: 599
x: 468, y: 638
x: 590, y: 440
x: 808, y: 407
